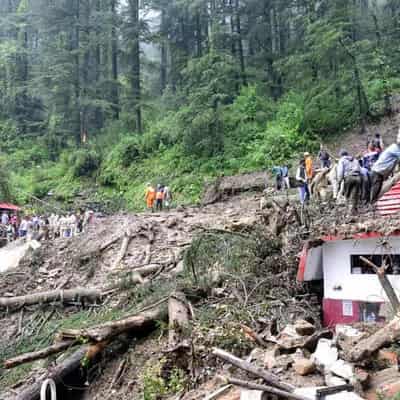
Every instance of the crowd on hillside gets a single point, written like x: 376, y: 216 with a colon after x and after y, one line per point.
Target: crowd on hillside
x: 44, y: 227
x: 354, y: 178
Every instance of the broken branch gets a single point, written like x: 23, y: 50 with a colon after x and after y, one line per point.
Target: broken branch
x: 264, y: 388
x: 259, y: 372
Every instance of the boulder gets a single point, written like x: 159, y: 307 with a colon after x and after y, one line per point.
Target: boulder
x: 304, y: 366
x: 389, y: 357
x: 342, y: 369
x: 325, y: 355
x: 332, y: 380
x: 304, y: 328
x: 270, y: 358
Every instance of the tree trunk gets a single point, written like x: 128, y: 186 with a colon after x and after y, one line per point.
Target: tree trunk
x: 256, y: 371
x: 37, y: 355
x: 164, y: 61
x: 144, y: 321
x: 178, y: 314
x: 135, y: 63
x: 385, y: 283
x: 239, y: 42
x: 79, y: 294
x: 389, y: 334
x: 58, y: 373
x: 114, y: 61
x: 124, y: 247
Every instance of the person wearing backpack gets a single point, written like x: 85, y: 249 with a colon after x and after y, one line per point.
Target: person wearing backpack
x: 349, y: 172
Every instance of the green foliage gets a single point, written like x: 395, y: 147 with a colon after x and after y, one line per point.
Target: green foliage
x: 84, y: 162
x: 5, y: 182
x: 156, y: 386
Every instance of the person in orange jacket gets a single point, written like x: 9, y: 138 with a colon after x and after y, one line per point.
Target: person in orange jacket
x: 309, y: 166
x: 159, y: 197
x: 150, y: 196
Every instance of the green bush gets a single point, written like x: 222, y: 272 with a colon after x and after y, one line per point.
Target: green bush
x: 84, y: 162
x: 128, y: 151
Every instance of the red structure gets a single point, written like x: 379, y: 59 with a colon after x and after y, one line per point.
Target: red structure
x: 9, y: 207
x: 389, y: 203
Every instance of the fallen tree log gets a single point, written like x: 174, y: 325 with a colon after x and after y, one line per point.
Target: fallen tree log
x: 109, y: 330
x: 263, y: 388
x: 389, y: 334
x: 37, y: 355
x: 124, y: 247
x: 70, y: 295
x: 178, y: 315
x: 385, y: 283
x: 85, y: 354
x: 252, y: 369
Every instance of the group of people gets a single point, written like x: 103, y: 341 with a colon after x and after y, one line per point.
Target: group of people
x: 44, y: 227
x: 158, y: 198
x: 354, y: 179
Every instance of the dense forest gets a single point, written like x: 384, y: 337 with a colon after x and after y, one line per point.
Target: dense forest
x: 107, y: 94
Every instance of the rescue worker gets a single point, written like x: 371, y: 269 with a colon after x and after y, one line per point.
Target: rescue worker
x: 301, y: 178
x: 384, y: 167
x: 150, y: 196
x: 309, y: 166
x: 159, y: 197
x: 349, y: 172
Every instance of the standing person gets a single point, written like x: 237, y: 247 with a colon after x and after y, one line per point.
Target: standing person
x: 378, y: 142
x: 382, y: 169
x: 301, y: 178
x: 167, y: 197
x: 370, y: 157
x: 285, y: 176
x: 159, y: 197
x: 278, y: 178
x: 349, y: 172
x: 23, y: 227
x: 324, y: 157
x: 309, y: 166
x: 10, y: 232
x: 5, y: 218
x: 150, y: 196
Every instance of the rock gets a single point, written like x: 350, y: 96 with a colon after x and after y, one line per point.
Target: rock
x: 251, y: 394
x: 304, y: 328
x: 389, y: 357
x: 325, y: 354
x: 348, y: 331
x: 332, y: 380
x: 283, y: 362
x: 342, y: 369
x: 383, y: 380
x: 270, y: 358
x: 391, y: 389
x: 362, y: 377
x: 304, y: 367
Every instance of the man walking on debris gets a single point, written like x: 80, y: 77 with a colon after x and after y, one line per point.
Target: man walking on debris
x: 383, y: 168
x: 301, y: 178
x: 349, y: 172
x: 324, y: 157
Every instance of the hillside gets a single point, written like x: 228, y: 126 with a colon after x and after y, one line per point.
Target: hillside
x: 180, y: 93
